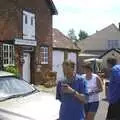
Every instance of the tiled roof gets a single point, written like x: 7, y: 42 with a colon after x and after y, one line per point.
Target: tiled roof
x: 60, y: 41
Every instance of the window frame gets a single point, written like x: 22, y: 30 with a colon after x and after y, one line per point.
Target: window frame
x: 112, y: 44
x: 10, y: 58
x: 45, y: 56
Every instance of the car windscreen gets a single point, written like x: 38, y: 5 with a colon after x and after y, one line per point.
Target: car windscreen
x: 10, y: 86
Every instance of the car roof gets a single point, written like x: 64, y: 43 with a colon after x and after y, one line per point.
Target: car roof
x: 93, y: 59
x: 5, y: 74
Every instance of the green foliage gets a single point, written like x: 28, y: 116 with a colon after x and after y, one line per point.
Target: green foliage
x: 71, y: 34
x: 82, y: 35
x: 12, y: 69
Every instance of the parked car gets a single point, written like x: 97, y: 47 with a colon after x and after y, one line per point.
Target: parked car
x: 22, y: 101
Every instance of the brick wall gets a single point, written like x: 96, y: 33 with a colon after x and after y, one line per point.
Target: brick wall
x: 43, y: 30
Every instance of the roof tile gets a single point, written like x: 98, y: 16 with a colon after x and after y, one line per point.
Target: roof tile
x: 62, y: 42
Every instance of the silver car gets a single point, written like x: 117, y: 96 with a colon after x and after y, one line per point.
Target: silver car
x: 21, y: 101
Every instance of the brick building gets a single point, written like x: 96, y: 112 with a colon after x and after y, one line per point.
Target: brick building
x: 26, y: 36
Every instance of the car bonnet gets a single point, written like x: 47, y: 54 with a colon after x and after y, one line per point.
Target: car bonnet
x: 37, y: 106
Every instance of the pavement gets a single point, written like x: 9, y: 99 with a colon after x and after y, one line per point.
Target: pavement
x: 102, y: 110
x: 103, y: 107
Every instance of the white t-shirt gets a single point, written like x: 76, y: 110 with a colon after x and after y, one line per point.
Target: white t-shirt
x: 92, y: 86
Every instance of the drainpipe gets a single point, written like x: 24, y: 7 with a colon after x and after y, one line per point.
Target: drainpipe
x: 119, y: 26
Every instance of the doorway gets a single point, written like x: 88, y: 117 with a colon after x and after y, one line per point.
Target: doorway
x: 26, y: 67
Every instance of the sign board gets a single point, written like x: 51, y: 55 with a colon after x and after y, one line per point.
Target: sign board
x: 25, y: 42
x: 28, y: 48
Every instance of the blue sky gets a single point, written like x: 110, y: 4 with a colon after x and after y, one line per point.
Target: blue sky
x: 88, y: 15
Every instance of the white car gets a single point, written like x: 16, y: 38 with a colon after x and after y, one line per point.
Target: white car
x: 21, y: 101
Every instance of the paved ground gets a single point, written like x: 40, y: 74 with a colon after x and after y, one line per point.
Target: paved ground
x: 102, y: 111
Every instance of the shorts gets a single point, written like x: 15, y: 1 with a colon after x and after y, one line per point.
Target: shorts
x: 114, y: 111
x: 91, y: 107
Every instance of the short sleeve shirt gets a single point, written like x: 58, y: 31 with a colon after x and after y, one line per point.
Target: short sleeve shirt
x: 71, y: 108
x: 114, y: 85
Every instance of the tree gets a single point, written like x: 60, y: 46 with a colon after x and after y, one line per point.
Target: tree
x: 82, y: 35
x: 71, y: 34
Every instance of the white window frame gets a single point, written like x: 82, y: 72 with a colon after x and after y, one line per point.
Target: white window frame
x: 113, y: 44
x: 29, y: 25
x: 44, y: 52
x: 11, y: 60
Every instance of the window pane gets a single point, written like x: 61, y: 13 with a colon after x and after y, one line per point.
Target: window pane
x: 8, y: 54
x: 10, y: 62
x: 11, y: 48
x: 116, y: 44
x: 5, y: 61
x: 110, y: 44
x: 25, y: 19
x: 5, y: 54
x: 5, y: 48
x: 32, y: 19
x: 46, y: 49
x: 42, y: 55
x: 46, y: 55
x: 113, y: 44
x: 46, y: 60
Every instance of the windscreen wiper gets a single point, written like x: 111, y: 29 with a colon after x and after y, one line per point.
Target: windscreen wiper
x: 18, y: 95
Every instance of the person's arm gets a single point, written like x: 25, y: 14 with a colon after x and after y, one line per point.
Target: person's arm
x: 67, y: 89
x: 58, y: 88
x: 99, y: 85
x: 80, y: 96
x: 115, y: 76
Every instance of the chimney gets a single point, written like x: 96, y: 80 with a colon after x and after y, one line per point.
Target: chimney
x: 119, y: 26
